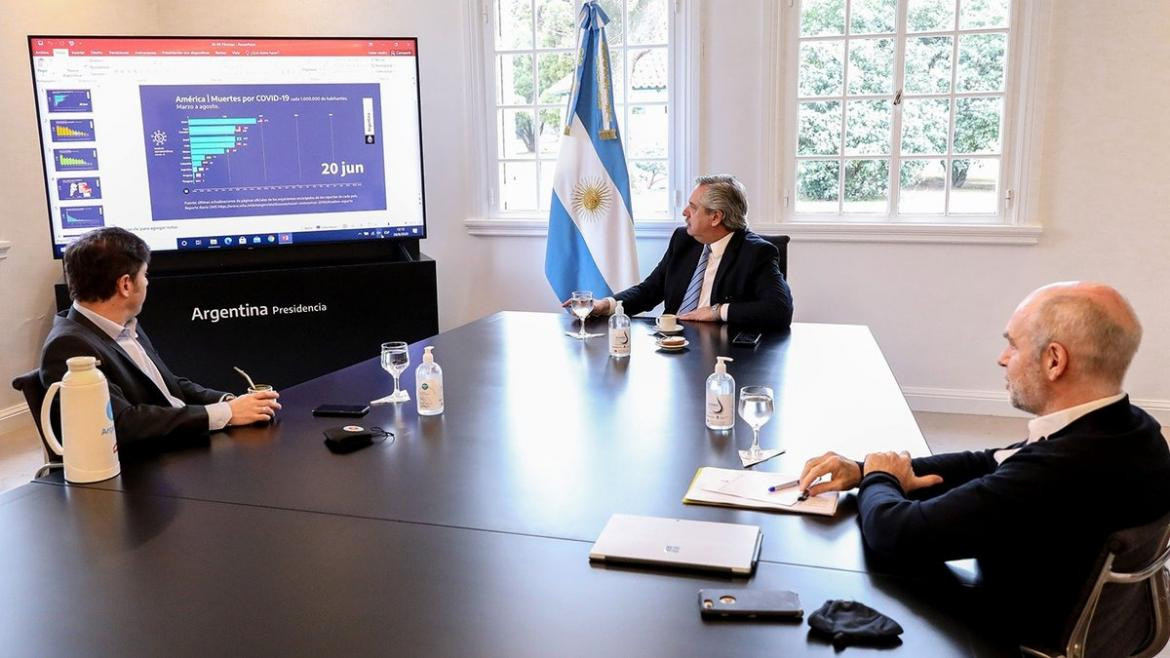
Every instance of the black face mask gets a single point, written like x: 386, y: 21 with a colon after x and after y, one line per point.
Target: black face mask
x: 847, y: 623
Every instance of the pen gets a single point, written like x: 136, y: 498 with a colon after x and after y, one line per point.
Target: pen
x: 783, y: 485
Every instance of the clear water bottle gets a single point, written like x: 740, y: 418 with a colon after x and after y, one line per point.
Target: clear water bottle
x: 720, y: 397
x: 619, y: 333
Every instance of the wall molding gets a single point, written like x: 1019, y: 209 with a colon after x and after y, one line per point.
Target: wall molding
x: 16, y: 418
x: 5, y: 245
x: 996, y: 403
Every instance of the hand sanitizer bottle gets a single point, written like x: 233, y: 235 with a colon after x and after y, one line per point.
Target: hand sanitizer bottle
x: 428, y: 384
x: 619, y: 333
x: 720, y: 397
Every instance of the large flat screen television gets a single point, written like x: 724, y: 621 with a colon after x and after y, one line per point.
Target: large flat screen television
x: 198, y: 143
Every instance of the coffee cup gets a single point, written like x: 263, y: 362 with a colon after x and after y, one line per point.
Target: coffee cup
x: 667, y: 322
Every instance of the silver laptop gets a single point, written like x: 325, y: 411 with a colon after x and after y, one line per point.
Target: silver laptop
x: 727, y: 547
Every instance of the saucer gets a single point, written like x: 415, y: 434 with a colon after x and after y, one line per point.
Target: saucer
x: 671, y: 348
x: 669, y: 332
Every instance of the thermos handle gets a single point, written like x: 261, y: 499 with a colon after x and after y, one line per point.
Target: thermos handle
x: 46, y: 420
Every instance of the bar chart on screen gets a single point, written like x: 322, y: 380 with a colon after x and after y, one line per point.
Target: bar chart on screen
x: 82, y: 217
x: 75, y: 159
x: 72, y: 130
x: 245, y: 150
x: 69, y: 100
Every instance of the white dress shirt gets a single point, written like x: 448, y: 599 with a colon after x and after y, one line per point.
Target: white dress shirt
x: 717, y: 249
x: 218, y: 413
x: 1042, y: 427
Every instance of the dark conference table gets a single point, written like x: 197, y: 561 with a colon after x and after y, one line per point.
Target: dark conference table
x: 470, y: 532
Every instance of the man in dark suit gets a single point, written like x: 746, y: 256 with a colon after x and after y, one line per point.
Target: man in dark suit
x: 1034, y: 514
x: 714, y: 269
x: 106, y: 274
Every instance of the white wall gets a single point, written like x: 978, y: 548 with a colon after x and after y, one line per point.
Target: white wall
x: 937, y: 310
x: 28, y: 273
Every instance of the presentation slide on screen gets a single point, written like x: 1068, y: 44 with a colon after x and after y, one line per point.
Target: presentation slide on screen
x: 245, y: 150
x: 206, y: 144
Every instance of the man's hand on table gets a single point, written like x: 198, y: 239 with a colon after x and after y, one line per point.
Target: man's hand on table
x: 898, y: 465
x: 844, y: 473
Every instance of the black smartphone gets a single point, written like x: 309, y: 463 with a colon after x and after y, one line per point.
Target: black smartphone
x: 746, y: 338
x: 749, y: 604
x: 346, y: 410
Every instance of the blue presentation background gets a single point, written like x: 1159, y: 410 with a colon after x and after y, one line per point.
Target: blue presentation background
x: 276, y: 165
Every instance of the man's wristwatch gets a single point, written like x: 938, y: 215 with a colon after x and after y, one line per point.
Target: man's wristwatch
x: 717, y: 309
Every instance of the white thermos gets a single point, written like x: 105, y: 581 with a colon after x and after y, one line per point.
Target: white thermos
x: 87, y: 423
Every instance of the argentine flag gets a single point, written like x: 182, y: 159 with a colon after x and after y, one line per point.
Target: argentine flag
x: 590, y: 223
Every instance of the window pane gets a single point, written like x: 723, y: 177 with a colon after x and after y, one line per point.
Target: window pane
x: 648, y: 180
x: 646, y: 136
x: 816, y: 183
x: 617, y: 69
x: 867, y: 185
x: 930, y: 15
x: 820, y: 128
x: 514, y: 79
x: 556, y: 77
x: 923, y: 186
x: 556, y: 24
x: 977, y: 124
x: 821, y: 68
x: 548, y: 172
x: 871, y: 66
x: 981, y: 62
x: 513, y: 24
x: 924, y: 125
x: 822, y: 17
x: 868, y: 16
x: 649, y: 20
x: 928, y: 65
x: 974, y: 185
x: 648, y: 74
x: 551, y: 130
x: 615, y: 30
x: 517, y: 133
x: 983, y: 13
x: 517, y: 186
x: 867, y: 128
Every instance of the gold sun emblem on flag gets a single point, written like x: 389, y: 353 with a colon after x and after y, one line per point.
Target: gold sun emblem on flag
x: 591, y: 198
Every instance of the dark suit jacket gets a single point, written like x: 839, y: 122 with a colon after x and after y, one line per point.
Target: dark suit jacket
x: 748, y: 278
x: 1037, y: 522
x: 141, y: 413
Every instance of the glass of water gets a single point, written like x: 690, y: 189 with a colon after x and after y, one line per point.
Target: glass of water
x: 581, y: 304
x: 755, y: 408
x: 395, y: 358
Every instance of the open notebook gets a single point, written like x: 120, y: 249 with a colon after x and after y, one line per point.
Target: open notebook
x: 749, y: 489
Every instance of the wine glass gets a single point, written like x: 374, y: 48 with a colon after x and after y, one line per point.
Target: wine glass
x: 581, y: 304
x: 755, y: 408
x: 395, y: 358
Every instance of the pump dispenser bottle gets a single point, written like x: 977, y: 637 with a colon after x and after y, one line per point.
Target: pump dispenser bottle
x: 619, y: 333
x: 720, y: 397
x: 428, y: 378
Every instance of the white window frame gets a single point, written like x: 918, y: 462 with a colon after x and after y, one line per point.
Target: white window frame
x: 1020, y: 136
x: 683, y: 71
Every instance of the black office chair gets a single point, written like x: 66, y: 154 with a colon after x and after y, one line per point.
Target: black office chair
x: 34, y: 396
x: 781, y: 242
x: 1129, y: 596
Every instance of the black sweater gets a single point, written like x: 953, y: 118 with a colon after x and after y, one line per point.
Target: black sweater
x: 1037, y: 522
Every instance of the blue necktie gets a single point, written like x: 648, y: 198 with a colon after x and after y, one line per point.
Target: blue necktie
x: 691, y: 299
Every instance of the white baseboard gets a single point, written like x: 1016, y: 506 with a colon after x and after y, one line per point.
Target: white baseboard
x: 997, y: 403
x: 16, y: 418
